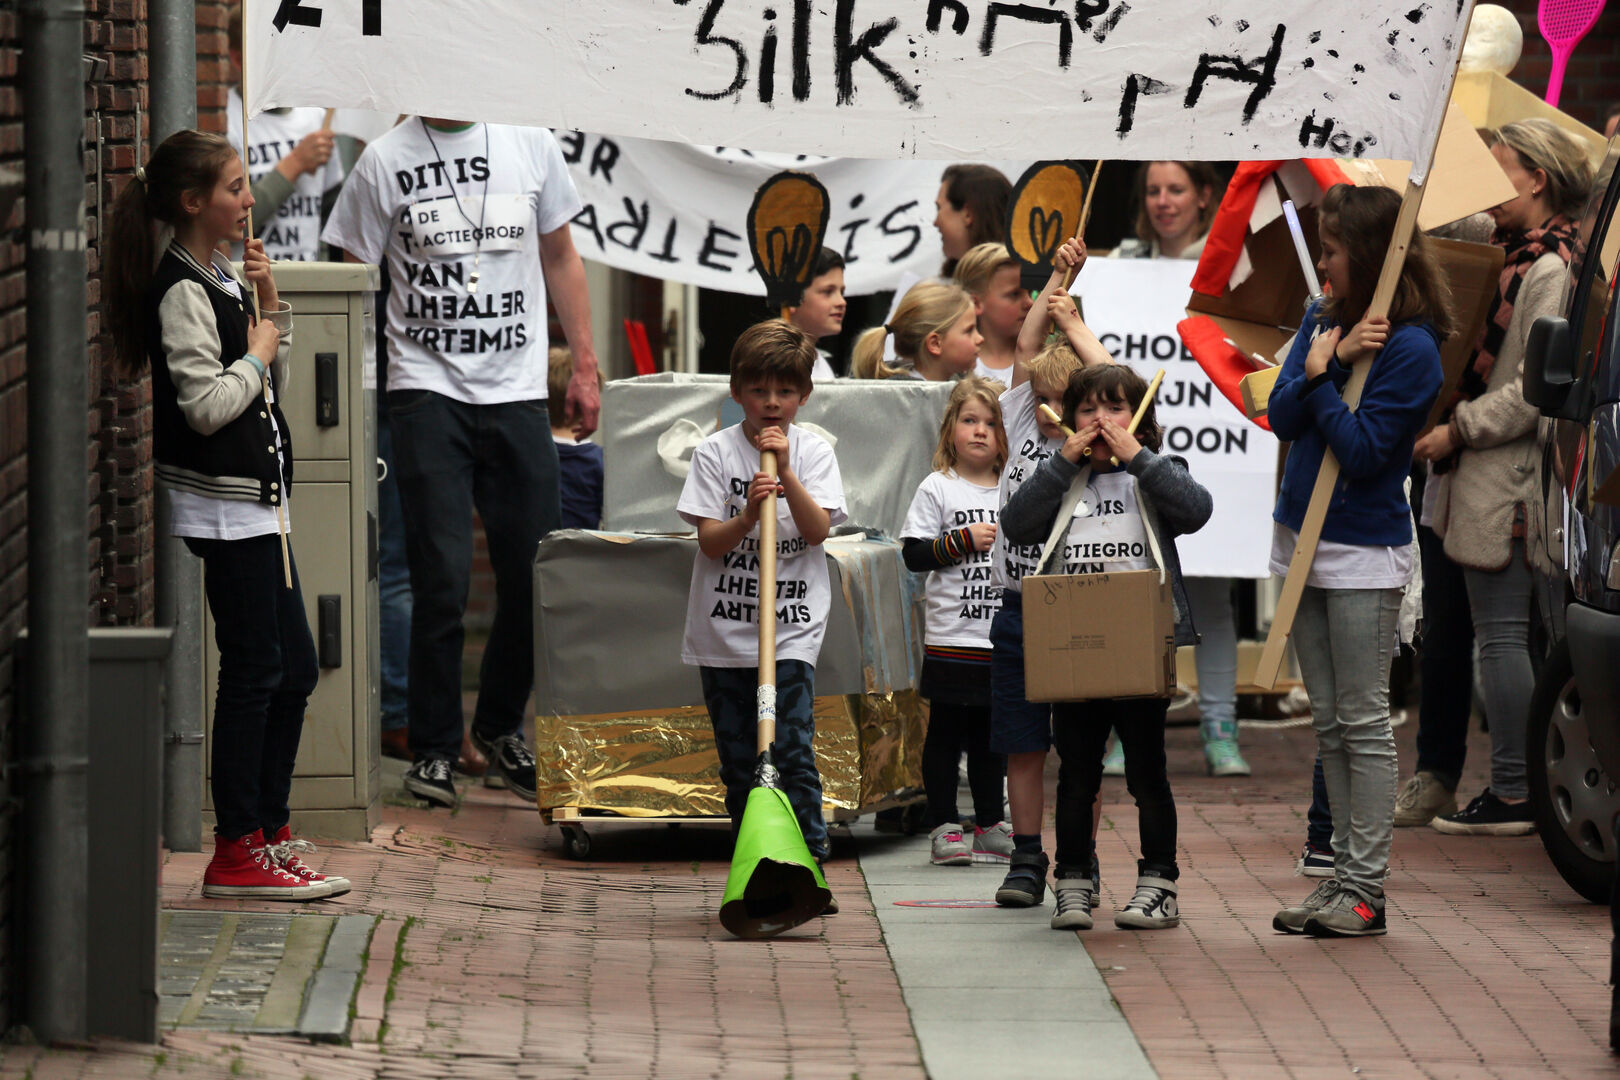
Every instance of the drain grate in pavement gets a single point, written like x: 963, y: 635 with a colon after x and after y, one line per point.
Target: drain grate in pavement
x: 262, y: 973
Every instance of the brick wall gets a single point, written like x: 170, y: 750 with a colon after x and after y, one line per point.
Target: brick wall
x: 119, y: 513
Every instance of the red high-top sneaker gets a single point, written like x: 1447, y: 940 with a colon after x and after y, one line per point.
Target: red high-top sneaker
x: 284, y: 851
x: 244, y: 868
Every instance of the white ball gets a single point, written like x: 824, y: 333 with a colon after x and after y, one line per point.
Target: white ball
x: 1494, y: 40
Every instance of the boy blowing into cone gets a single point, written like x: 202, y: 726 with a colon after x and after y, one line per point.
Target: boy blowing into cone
x: 725, y: 489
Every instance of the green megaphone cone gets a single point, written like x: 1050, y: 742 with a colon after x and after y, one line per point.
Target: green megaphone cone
x: 774, y: 883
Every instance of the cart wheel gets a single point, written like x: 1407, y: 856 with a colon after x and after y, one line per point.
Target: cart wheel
x: 579, y: 841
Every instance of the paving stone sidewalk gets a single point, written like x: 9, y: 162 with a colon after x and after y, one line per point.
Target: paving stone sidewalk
x: 496, y: 955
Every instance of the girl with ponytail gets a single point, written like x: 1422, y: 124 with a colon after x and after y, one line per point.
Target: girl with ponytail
x: 178, y: 308
x: 936, y: 337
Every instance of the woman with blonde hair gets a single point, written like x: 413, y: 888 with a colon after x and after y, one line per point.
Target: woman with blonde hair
x: 935, y: 337
x: 990, y: 275
x: 1486, y: 458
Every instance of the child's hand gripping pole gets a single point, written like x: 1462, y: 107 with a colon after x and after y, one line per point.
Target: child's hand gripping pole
x: 766, y: 695
x: 1147, y: 399
x: 281, y: 516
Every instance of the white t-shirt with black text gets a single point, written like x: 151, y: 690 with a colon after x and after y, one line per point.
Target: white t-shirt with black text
x: 721, y: 629
x: 961, y: 599
x: 1026, y: 449
x: 294, y: 234
x: 1106, y: 533
x: 445, y: 206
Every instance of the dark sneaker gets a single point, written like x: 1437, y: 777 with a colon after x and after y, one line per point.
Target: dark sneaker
x: 1074, y: 898
x: 1488, y: 816
x: 1347, y: 914
x: 1291, y: 920
x: 432, y: 779
x: 1314, y: 862
x: 1152, y: 908
x: 1025, y: 884
x: 511, y: 765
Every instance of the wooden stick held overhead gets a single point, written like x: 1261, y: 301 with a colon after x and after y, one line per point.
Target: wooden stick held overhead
x: 1085, y: 215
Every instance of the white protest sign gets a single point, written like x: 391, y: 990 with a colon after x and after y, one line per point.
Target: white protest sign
x: 937, y: 79
x: 680, y: 212
x: 1133, y: 305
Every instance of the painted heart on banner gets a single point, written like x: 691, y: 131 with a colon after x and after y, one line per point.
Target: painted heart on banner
x: 1045, y: 232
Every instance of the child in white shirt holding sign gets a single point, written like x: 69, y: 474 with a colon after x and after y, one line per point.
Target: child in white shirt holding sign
x: 770, y: 378
x: 1126, y: 516
x: 949, y: 532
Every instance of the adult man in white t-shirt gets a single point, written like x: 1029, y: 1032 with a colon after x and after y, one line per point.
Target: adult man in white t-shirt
x: 472, y: 222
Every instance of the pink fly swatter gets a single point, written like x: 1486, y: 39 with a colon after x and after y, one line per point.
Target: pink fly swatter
x: 1563, y: 23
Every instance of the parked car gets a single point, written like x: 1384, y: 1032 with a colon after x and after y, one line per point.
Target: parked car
x: 1572, y: 374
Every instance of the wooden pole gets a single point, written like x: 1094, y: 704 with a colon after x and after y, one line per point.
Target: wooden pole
x: 1085, y: 215
x: 767, y: 610
x: 281, y: 515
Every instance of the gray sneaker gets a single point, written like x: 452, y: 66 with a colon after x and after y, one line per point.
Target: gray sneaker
x: 1423, y: 798
x: 1291, y: 920
x: 1152, y: 908
x: 948, y: 847
x: 993, y: 846
x: 1348, y: 914
x: 1074, y: 901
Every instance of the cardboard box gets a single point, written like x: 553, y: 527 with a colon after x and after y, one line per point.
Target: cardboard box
x: 1490, y: 100
x: 1093, y: 636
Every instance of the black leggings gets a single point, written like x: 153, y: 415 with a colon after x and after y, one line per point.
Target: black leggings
x: 952, y: 729
x: 1080, y: 738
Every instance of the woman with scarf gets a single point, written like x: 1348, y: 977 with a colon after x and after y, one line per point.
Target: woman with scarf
x: 1486, y: 456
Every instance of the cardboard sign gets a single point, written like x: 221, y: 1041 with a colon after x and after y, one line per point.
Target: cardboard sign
x: 946, y: 80
x: 1047, y: 204
x: 1094, y: 636
x: 786, y: 223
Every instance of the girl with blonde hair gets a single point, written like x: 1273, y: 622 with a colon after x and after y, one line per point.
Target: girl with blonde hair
x: 935, y: 336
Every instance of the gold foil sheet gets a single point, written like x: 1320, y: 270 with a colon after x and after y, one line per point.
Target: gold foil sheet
x: 660, y: 763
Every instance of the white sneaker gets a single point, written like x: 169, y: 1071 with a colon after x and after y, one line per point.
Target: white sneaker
x: 1074, y: 899
x: 947, y: 846
x: 1153, y: 907
x: 993, y: 846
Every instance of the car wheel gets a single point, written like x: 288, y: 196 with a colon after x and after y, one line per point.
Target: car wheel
x: 1575, y: 801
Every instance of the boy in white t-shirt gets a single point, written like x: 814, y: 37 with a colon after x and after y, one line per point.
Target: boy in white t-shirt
x: 770, y: 379
x: 821, y: 312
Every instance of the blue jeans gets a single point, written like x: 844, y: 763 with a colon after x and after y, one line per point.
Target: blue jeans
x: 452, y: 458
x: 1216, y: 655
x: 267, y: 670
x: 393, y: 587
x: 1319, y: 819
x: 1501, y: 603
x: 729, y: 694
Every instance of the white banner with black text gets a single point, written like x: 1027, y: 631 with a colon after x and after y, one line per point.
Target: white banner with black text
x: 680, y: 212
x: 932, y: 79
x: 1133, y: 306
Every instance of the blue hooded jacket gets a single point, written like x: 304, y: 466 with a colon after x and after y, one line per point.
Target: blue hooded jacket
x: 1373, y: 444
